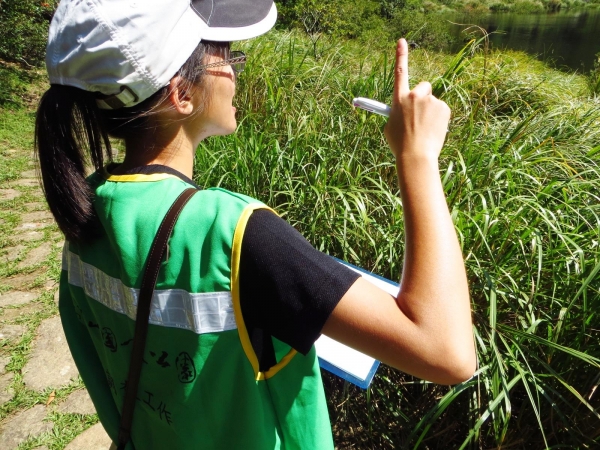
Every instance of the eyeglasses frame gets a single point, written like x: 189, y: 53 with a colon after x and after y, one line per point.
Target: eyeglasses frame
x: 241, y: 58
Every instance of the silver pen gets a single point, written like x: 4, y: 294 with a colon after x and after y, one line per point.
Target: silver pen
x: 372, y: 106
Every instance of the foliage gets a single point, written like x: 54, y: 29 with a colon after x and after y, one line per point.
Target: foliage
x: 499, y: 7
x: 594, y: 77
x: 421, y: 28
x: 371, y: 21
x: 17, y: 83
x: 534, y: 6
x: 521, y: 169
x: 24, y: 23
x: 339, y: 18
x: 389, y: 8
x: 24, y: 30
x: 515, y: 6
x: 338, y: 12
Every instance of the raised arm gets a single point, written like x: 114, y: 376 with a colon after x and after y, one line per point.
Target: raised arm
x: 426, y: 331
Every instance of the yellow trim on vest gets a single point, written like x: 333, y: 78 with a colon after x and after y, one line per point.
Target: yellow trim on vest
x: 141, y: 177
x: 236, y: 252
x: 137, y: 177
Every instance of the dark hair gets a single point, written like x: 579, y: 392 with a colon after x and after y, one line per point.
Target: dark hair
x: 71, y: 132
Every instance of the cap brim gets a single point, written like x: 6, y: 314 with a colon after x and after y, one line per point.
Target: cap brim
x: 235, y: 20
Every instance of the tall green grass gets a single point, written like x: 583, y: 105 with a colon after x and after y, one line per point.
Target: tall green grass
x: 521, y: 169
x: 594, y: 77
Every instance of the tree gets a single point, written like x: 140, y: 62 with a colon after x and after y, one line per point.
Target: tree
x: 24, y: 30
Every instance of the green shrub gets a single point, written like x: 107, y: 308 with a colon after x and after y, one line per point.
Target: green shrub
x: 15, y: 85
x: 474, y: 7
x: 424, y: 29
x: 24, y: 30
x: 534, y: 6
x: 567, y: 4
x: 340, y: 18
x: 499, y: 7
x: 594, y: 77
x: 376, y: 33
x: 552, y: 5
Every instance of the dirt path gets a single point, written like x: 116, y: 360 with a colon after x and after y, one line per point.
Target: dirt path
x: 43, y: 404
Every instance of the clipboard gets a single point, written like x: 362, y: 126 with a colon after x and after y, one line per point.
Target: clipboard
x: 343, y: 361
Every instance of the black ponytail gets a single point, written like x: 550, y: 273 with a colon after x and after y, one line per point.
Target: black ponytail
x: 69, y: 135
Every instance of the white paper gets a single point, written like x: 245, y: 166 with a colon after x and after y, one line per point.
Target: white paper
x: 343, y: 357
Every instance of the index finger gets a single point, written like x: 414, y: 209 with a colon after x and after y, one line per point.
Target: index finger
x: 401, y: 80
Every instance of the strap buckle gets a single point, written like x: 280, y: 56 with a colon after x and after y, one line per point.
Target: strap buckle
x: 125, y: 97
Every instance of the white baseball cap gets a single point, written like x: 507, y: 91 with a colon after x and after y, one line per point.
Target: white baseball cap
x: 126, y: 50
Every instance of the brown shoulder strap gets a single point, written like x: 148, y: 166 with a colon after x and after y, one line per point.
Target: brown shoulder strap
x: 143, y: 313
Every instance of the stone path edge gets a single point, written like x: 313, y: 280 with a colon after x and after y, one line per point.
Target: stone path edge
x: 28, y: 293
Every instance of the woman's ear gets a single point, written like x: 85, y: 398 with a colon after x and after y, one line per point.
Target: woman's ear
x: 180, y: 99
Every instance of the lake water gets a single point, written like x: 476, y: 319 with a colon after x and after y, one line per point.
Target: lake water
x: 566, y: 38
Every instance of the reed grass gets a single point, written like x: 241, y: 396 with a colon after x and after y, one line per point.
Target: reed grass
x: 521, y: 172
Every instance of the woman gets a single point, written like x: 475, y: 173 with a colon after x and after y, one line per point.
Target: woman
x: 241, y: 297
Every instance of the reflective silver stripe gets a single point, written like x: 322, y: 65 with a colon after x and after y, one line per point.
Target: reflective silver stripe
x: 64, y: 255
x: 201, y: 313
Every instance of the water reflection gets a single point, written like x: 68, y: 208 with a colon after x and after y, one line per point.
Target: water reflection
x: 566, y: 38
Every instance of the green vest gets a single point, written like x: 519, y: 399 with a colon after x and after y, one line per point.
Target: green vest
x: 200, y: 387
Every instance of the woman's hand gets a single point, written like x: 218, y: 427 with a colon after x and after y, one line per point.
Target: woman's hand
x: 426, y: 330
x: 418, y: 122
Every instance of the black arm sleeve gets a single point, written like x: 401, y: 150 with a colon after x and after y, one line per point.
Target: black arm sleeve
x: 288, y: 289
